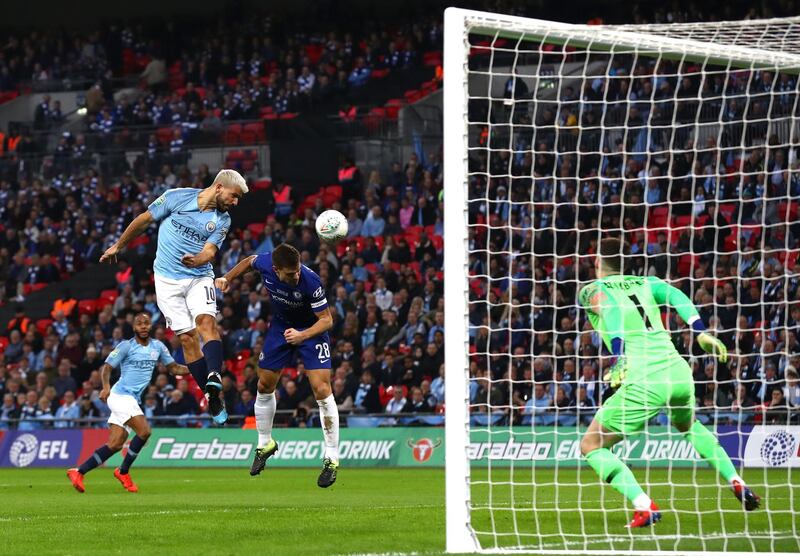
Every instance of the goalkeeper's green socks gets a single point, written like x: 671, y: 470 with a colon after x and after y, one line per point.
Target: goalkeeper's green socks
x: 708, y: 447
x: 611, y: 469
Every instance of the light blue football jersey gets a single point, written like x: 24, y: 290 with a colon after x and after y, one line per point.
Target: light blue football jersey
x: 136, y: 363
x: 185, y: 229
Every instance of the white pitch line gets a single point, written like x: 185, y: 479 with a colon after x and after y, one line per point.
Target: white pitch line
x: 197, y: 511
x: 706, y: 536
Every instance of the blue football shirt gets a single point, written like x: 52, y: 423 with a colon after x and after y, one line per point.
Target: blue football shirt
x: 183, y: 229
x: 136, y: 363
x: 292, y: 306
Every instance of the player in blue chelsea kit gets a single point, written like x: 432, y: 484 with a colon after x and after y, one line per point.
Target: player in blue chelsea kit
x: 192, y: 228
x: 136, y: 358
x: 299, y: 327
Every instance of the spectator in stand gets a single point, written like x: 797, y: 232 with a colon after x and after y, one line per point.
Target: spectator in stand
x: 367, y: 399
x: 67, y: 412
x: 374, y: 223
x: 13, y: 351
x: 30, y: 413
x: 396, y: 403
x: 64, y: 382
x: 344, y: 401
x: 8, y: 412
x: 791, y: 392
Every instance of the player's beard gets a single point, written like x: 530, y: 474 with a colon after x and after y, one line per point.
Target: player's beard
x: 221, y: 206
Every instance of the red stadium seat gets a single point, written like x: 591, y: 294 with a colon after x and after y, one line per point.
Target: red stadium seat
x: 87, y: 306
x: 42, y: 325
x: 262, y: 184
x: 3, y: 343
x: 233, y: 134
x: 234, y: 156
x: 110, y: 294
x: 164, y: 135
x: 432, y: 58
x: 256, y: 228
x: 256, y: 129
x: 335, y: 190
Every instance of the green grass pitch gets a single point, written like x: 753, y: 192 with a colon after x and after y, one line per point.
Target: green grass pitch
x: 225, y: 511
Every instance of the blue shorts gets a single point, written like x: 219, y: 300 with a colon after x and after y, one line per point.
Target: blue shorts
x: 278, y: 354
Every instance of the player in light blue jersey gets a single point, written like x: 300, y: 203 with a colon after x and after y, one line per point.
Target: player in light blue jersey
x: 192, y: 228
x: 136, y: 358
x: 299, y: 328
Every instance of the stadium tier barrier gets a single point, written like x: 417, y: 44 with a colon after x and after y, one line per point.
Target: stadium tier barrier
x: 762, y: 446
x: 536, y: 417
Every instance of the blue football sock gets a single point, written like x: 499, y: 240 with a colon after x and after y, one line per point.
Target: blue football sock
x: 212, y: 351
x: 99, y: 456
x: 199, y: 371
x: 133, y: 450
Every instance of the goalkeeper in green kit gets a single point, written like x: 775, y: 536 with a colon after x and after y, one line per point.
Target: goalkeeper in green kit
x: 650, y: 376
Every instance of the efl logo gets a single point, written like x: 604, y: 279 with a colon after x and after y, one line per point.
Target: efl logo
x: 422, y: 449
x: 27, y: 448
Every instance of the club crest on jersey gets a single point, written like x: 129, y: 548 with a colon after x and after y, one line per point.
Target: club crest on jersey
x: 210, y: 227
x: 153, y: 353
x: 298, y: 295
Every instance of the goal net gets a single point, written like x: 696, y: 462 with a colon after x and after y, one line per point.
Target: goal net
x: 681, y: 140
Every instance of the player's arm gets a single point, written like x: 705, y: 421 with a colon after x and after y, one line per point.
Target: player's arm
x: 134, y: 229
x: 246, y: 264
x: 205, y: 256
x: 594, y: 300
x: 105, y: 374
x: 665, y: 294
x: 212, y: 245
x: 323, y: 324
x: 177, y: 369
x: 113, y: 361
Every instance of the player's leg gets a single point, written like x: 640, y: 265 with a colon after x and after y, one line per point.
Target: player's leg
x: 264, y: 410
x: 171, y: 299
x: 116, y: 439
x: 329, y: 419
x: 609, y: 467
x: 141, y: 427
x: 212, y: 356
x: 623, y: 413
x: 681, y: 414
x: 202, y: 303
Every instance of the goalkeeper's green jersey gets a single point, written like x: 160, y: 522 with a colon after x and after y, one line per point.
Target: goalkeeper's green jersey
x: 628, y: 307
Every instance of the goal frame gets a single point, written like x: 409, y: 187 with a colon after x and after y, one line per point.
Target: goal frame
x: 458, y: 24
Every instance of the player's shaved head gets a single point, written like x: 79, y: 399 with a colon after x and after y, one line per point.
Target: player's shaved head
x: 141, y: 315
x: 285, y: 257
x: 612, y: 254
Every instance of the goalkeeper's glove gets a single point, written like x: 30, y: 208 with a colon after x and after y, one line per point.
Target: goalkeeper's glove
x: 616, y: 373
x: 712, y: 344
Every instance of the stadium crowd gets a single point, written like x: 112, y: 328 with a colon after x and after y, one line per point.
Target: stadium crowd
x: 716, y: 214
x: 385, y: 290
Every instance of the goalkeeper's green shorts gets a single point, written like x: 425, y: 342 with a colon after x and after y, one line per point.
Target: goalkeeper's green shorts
x: 649, y: 388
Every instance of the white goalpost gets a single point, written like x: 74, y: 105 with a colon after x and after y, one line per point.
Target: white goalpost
x: 683, y: 140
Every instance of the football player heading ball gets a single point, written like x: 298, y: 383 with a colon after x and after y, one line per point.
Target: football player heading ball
x: 299, y: 327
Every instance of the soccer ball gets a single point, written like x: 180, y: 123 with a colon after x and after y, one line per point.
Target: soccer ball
x: 331, y: 226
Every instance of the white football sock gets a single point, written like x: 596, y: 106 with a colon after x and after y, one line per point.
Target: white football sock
x: 737, y: 478
x: 329, y: 418
x: 642, y: 502
x: 265, y: 413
